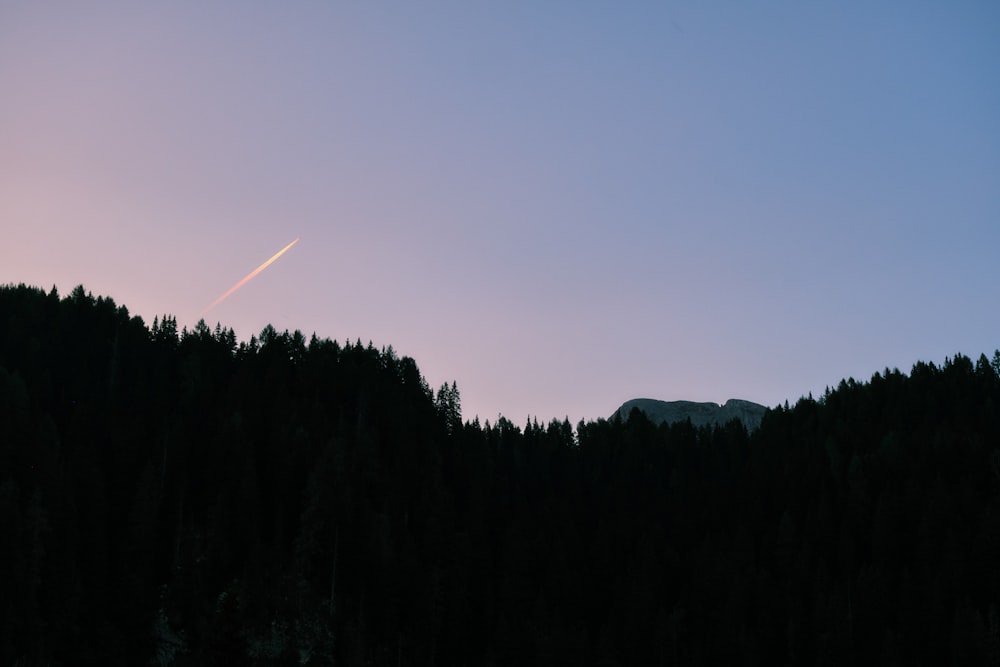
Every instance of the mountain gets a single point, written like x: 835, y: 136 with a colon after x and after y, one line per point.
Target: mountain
x: 700, y: 414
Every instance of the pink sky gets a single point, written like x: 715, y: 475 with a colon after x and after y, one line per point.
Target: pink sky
x: 558, y: 208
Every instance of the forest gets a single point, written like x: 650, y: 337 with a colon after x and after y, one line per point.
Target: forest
x: 184, y: 498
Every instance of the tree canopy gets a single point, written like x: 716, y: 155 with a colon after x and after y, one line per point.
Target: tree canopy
x: 182, y: 498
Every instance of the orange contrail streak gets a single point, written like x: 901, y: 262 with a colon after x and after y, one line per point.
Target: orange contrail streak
x: 249, y: 277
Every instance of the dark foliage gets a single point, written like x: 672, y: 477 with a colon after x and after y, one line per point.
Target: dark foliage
x: 180, y: 498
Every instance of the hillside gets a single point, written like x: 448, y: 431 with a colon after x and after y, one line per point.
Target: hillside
x: 177, y: 498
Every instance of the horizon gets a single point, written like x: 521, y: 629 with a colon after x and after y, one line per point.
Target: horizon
x: 832, y: 386
x: 559, y: 208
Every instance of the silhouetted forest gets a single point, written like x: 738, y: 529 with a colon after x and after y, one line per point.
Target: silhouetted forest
x: 181, y: 498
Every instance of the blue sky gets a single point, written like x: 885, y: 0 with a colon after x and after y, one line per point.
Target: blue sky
x: 560, y: 206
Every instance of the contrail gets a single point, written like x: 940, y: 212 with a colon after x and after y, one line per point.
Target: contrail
x: 248, y: 278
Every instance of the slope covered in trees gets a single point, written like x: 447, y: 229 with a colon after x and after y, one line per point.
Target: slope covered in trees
x: 180, y: 498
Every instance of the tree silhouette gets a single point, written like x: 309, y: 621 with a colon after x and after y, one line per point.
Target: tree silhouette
x: 184, y: 498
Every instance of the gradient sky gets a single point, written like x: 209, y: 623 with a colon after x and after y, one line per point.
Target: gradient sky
x: 559, y: 205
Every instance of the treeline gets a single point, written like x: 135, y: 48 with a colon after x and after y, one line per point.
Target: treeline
x: 180, y: 498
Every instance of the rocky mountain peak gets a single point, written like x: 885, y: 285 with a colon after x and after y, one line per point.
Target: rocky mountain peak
x: 700, y: 414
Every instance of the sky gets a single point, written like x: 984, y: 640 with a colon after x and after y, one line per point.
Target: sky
x: 560, y: 206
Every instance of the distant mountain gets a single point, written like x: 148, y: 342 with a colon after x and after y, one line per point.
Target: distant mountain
x: 700, y: 414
